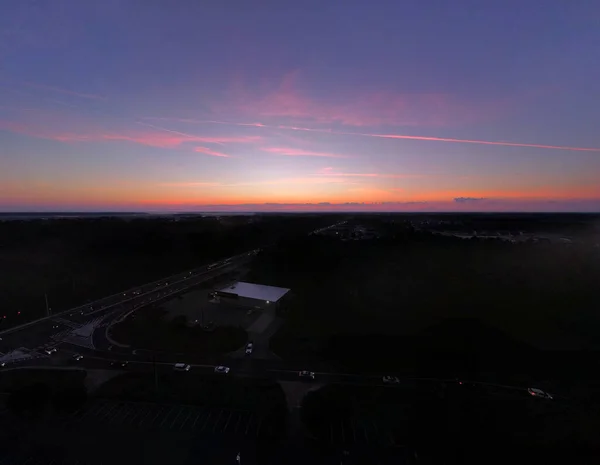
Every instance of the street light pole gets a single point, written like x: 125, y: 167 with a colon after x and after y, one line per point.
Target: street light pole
x: 155, y: 373
x: 47, y: 307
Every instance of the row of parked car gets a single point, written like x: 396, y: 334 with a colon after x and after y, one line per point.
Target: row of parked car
x: 186, y: 367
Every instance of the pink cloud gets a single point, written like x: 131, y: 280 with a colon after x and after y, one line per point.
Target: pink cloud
x: 369, y: 109
x: 211, y: 152
x: 291, y: 152
x: 159, y: 137
x: 196, y: 121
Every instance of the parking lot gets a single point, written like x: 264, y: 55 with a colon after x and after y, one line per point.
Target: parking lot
x: 170, y: 417
x: 197, y: 307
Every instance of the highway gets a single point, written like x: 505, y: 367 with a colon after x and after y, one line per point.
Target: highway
x: 32, y: 337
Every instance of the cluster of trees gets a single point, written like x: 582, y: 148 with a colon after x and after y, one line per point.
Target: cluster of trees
x: 32, y: 393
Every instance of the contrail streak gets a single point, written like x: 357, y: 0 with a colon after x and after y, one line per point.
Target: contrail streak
x: 400, y: 136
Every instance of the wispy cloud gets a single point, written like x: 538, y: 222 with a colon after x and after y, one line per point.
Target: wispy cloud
x: 292, y: 152
x: 419, y: 138
x: 64, y: 91
x: 283, y: 99
x: 157, y: 137
x: 212, y: 153
x: 208, y: 140
x: 196, y: 121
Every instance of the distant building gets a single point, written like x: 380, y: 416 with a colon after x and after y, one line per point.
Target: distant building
x: 251, y: 295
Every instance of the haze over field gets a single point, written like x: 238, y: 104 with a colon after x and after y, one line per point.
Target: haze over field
x: 310, y: 106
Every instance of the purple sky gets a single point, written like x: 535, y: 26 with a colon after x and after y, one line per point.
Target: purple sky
x: 309, y: 105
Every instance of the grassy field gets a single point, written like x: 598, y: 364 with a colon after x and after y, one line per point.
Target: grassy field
x: 150, y: 329
x: 383, y: 300
x: 32, y: 392
x: 15, y: 380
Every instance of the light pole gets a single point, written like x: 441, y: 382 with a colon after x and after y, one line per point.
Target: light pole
x: 47, y: 307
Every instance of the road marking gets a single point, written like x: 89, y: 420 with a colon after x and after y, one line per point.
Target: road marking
x: 238, y: 422
x: 115, y: 413
x: 87, y: 412
x: 166, y: 416
x: 248, y: 424
x: 207, y: 418
x: 107, y: 413
x: 160, y: 409
x: 258, y: 427
x: 186, y: 418
x: 138, y: 415
x: 104, y: 405
x: 141, y: 419
x: 201, y: 414
x: 227, y: 423
x: 119, y: 413
x: 133, y: 409
x: 218, y: 419
x: 178, y: 413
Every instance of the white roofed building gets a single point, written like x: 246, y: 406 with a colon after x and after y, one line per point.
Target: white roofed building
x: 251, y: 295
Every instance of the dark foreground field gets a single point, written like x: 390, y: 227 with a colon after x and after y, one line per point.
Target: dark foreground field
x: 415, y: 302
x: 192, y: 418
x: 452, y: 423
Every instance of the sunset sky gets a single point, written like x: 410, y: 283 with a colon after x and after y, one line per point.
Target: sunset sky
x: 149, y: 105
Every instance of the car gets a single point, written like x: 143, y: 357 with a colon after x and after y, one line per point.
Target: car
x: 77, y: 357
x: 54, y: 326
x: 249, y: 348
x: 535, y: 392
x: 50, y: 350
x: 306, y: 374
x: 181, y: 367
x: 121, y: 363
x: 221, y: 369
x: 390, y: 380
